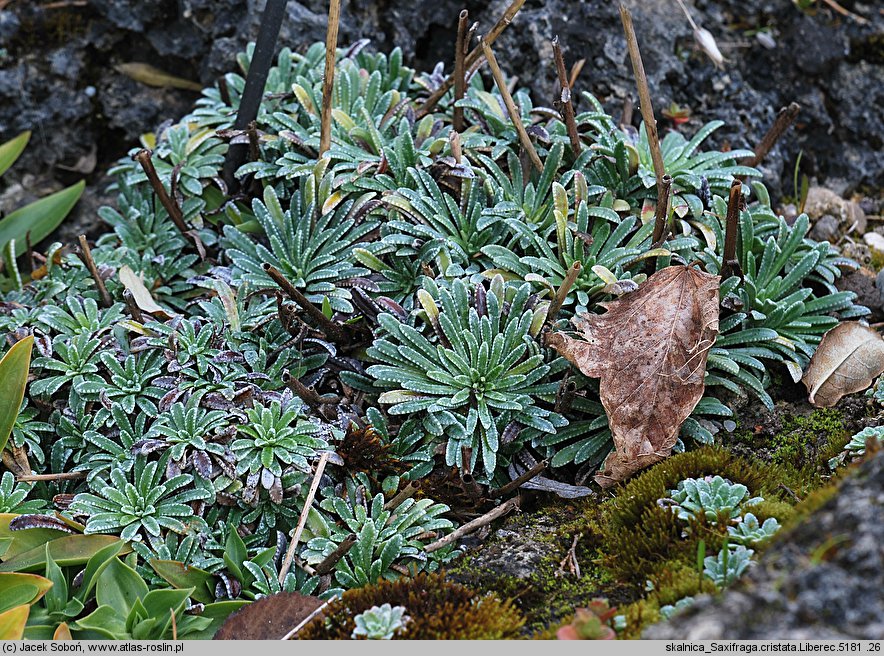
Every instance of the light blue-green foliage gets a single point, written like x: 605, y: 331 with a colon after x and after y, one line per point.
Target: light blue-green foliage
x: 856, y: 446
x: 729, y: 565
x: 713, y: 498
x: 750, y: 532
x: 380, y: 622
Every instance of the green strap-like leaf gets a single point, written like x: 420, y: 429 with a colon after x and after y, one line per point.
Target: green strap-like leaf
x: 37, y: 220
x: 10, y: 151
x: 13, y: 378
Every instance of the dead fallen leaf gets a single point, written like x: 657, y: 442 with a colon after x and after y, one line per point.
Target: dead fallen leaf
x: 154, y: 77
x: 270, y: 618
x: 849, y: 357
x: 140, y: 294
x: 649, y: 350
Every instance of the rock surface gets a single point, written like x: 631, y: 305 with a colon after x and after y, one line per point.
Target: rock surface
x: 57, y: 74
x: 820, y: 580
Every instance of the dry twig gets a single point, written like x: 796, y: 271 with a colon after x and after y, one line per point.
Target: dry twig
x: 661, y: 214
x: 334, y: 331
x: 86, y: 256
x: 565, y: 98
x: 517, y: 482
x: 510, y: 105
x: 562, y: 292
x: 61, y: 476
x: 644, y: 94
x: 290, y: 552
x: 472, y: 58
x: 303, y: 622
x: 785, y: 117
x: 460, y: 84
x: 469, y: 527
x: 328, y: 80
x: 729, y: 263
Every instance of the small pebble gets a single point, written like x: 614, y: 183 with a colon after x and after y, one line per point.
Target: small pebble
x: 874, y: 240
x: 729, y: 426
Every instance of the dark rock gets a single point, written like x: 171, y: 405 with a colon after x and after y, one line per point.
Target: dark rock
x: 879, y: 283
x: 830, y: 65
x: 820, y: 580
x: 825, y: 229
x: 862, y: 283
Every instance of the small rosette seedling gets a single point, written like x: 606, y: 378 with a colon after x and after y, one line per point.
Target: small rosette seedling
x: 139, y: 504
x: 380, y: 622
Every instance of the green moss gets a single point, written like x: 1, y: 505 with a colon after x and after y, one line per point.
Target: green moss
x: 667, y: 587
x: 644, y: 542
x: 798, y: 444
x: 438, y: 610
x: 801, y: 449
x: 877, y: 262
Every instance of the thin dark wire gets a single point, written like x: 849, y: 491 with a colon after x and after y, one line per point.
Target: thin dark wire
x: 265, y: 46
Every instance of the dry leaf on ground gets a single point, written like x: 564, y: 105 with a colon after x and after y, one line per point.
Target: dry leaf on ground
x: 849, y: 357
x: 140, y: 294
x: 650, y: 350
x: 270, y: 618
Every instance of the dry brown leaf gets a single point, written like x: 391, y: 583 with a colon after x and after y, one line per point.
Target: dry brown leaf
x: 270, y: 618
x: 140, y: 294
x: 849, y: 357
x: 649, y: 350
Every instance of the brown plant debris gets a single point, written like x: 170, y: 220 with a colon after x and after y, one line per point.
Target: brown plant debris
x: 269, y: 618
x: 849, y: 357
x: 649, y: 350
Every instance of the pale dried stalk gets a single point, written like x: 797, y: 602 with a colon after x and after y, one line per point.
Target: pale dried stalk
x: 303, y: 622
x: 143, y: 157
x: 644, y: 95
x: 62, y: 476
x: 565, y: 98
x: 403, y: 494
x: 562, y: 291
x: 524, y: 139
x: 328, y: 80
x: 469, y: 527
x: 86, y: 256
x: 472, y: 58
x: 659, y: 235
x: 732, y: 225
x: 334, y: 331
x: 329, y: 562
x: 302, y: 521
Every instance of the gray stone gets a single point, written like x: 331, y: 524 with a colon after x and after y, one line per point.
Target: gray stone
x: 820, y: 580
x: 825, y: 229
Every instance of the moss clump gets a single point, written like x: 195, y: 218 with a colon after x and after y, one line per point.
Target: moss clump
x: 803, y: 439
x: 667, y: 587
x: 801, y: 448
x: 641, y: 539
x: 438, y: 610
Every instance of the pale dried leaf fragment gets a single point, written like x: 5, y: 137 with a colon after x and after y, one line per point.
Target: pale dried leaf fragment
x: 154, y: 77
x: 849, y: 357
x: 140, y: 294
x: 649, y: 350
